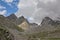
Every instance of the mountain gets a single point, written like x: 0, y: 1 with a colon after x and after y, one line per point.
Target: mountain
x: 21, y: 19
x: 10, y: 26
x: 21, y: 29
x: 47, y: 21
x: 48, y: 30
x: 20, y: 22
x: 48, y: 24
x: 4, y: 32
x: 23, y: 23
x: 16, y: 20
x: 12, y: 17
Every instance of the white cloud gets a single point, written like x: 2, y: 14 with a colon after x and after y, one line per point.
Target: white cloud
x: 2, y: 7
x: 31, y: 19
x: 8, y: 1
x: 47, y: 1
x: 26, y: 6
x: 36, y: 10
x: 3, y: 12
x: 26, y: 3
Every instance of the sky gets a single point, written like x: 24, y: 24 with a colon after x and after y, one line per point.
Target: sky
x: 33, y: 10
x: 7, y: 7
x: 36, y: 10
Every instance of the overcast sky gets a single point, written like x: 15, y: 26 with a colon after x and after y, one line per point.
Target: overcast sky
x: 36, y: 10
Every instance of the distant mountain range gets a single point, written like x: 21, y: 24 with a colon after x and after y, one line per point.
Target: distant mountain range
x: 16, y: 26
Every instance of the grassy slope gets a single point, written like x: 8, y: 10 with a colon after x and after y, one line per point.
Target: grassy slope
x: 46, y: 35
x: 4, y: 34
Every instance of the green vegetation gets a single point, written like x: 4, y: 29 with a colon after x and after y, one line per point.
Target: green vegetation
x: 42, y: 35
x: 19, y: 29
x: 49, y: 38
x: 53, y: 39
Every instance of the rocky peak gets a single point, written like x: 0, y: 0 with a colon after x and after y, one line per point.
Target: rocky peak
x: 46, y: 21
x: 47, y: 18
x: 12, y: 17
x: 21, y: 19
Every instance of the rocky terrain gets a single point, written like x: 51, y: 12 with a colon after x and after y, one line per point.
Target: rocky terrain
x: 13, y: 28
x: 5, y: 34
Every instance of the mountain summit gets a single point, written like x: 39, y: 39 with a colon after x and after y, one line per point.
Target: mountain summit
x: 12, y: 17
x: 47, y: 21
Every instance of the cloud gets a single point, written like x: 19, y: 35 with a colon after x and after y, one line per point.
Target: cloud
x: 26, y: 7
x: 38, y: 9
x: 47, y: 1
x: 8, y: 1
x: 51, y: 8
x: 26, y: 3
x: 3, y: 12
x: 31, y: 19
x: 2, y: 7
